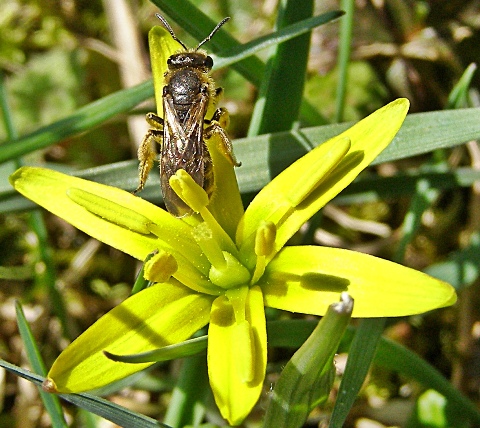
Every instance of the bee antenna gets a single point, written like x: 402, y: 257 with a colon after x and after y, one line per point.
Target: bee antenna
x: 170, y: 30
x: 206, y: 39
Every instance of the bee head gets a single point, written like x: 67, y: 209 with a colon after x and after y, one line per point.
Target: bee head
x: 194, y: 59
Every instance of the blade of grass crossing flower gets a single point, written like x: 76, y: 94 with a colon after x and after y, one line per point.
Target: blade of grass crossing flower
x: 113, y: 412
x: 265, y: 156
x: 171, y: 352
x: 145, y: 321
x: 360, y: 357
x: 296, y: 391
x: 51, y: 403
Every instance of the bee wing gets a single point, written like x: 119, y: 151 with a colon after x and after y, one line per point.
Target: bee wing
x: 182, y: 148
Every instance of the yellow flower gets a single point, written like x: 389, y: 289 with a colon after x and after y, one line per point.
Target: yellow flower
x: 223, y: 265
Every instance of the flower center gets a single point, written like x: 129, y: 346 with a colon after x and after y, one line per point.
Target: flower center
x: 226, y: 270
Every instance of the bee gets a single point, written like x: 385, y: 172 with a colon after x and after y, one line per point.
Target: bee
x: 188, y: 92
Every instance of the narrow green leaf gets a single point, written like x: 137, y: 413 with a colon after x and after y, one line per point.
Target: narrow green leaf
x: 106, y: 409
x: 344, y: 51
x: 83, y: 119
x: 187, y: 404
x: 360, y: 357
x: 171, y: 352
x: 458, y: 97
x: 51, y: 403
x: 282, y: 38
x: 263, y: 157
x: 285, y: 75
x: 395, y: 357
x: 422, y: 198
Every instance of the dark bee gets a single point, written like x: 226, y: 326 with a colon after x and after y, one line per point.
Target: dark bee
x: 187, y: 94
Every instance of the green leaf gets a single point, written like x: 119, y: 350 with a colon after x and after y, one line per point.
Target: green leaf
x: 360, y: 356
x: 51, y: 403
x: 458, y: 97
x: 171, y: 352
x: 395, y: 357
x: 187, y: 403
x: 265, y: 156
x: 82, y: 120
x: 284, y: 77
x: 106, y: 409
x: 296, y: 391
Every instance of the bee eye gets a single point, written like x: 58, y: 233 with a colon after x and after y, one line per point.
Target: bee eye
x: 169, y: 60
x: 208, y: 62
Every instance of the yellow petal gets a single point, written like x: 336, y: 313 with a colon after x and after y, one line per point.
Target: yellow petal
x: 111, y: 215
x: 237, y: 356
x: 162, y: 46
x: 307, y: 279
x: 158, y: 316
x: 293, y: 197
x: 226, y: 203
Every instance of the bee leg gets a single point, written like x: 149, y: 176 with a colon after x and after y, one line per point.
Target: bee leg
x: 155, y: 122
x: 146, y: 151
x: 217, y: 125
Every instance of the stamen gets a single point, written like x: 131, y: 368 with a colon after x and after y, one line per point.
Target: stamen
x: 160, y: 267
x: 110, y: 211
x: 197, y: 199
x: 264, y: 246
x: 188, y: 190
x: 210, y: 247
